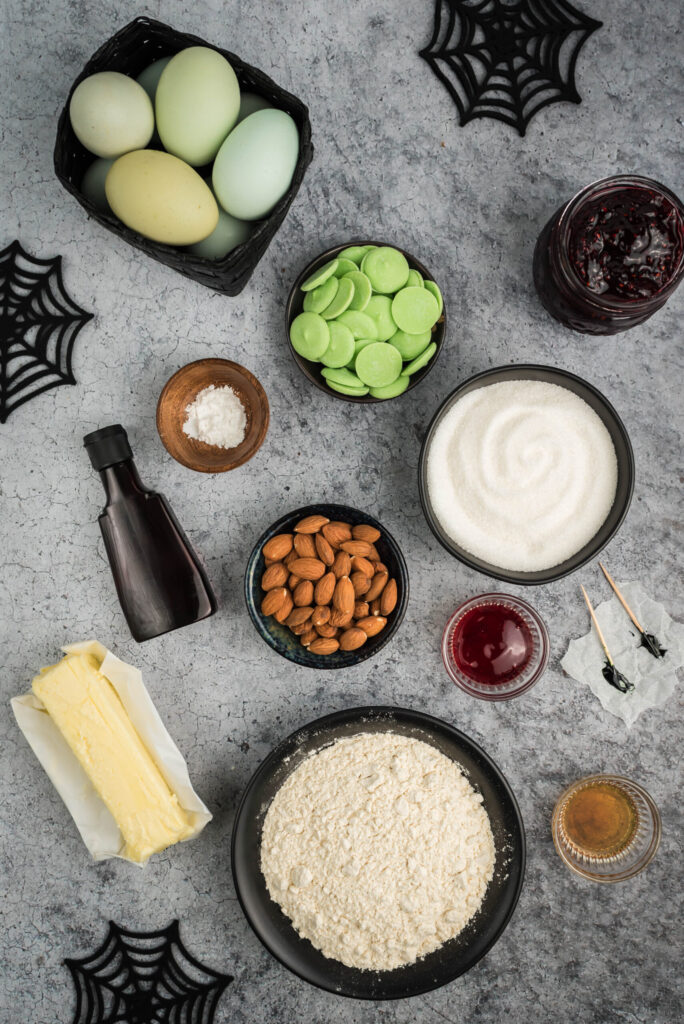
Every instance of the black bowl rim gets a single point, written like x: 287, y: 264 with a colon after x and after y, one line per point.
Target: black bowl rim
x: 305, y: 364
x: 419, y: 719
x: 571, y: 564
x: 353, y: 657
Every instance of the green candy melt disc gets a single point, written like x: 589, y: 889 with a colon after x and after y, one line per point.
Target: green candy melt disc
x: 386, y: 268
x: 344, y: 266
x: 315, y: 301
x: 379, y: 309
x: 362, y: 290
x: 357, y: 392
x: 415, y: 310
x: 343, y: 296
x: 361, y: 325
x: 415, y: 280
x: 378, y: 364
x: 341, y: 348
x: 310, y: 336
x: 422, y: 360
x: 343, y: 376
x: 432, y: 287
x: 319, y: 276
x: 410, y: 345
x: 355, y: 253
x: 398, y: 387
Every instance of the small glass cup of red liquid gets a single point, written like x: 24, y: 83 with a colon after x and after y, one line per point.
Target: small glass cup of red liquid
x: 495, y: 647
x: 611, y: 256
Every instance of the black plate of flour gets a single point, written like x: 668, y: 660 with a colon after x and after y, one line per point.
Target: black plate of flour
x: 454, y: 957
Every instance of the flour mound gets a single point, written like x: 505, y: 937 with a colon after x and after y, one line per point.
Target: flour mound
x: 378, y: 850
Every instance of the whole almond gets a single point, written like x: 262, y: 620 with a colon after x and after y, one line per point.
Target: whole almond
x: 292, y: 557
x: 304, y: 545
x: 377, y: 586
x: 360, y: 564
x: 274, y: 600
x: 327, y: 630
x: 323, y: 550
x: 352, y: 639
x: 388, y: 600
x: 311, y: 524
x: 324, y: 646
x: 338, y: 618
x: 293, y: 582
x: 278, y: 547
x: 365, y: 532
x: 372, y: 625
x: 320, y: 615
x: 308, y: 637
x: 325, y: 588
x: 375, y: 606
x: 303, y: 593
x: 356, y: 547
x: 285, y: 609
x: 344, y: 596
x: 342, y: 564
x: 300, y: 629
x: 275, y: 576
x: 308, y: 568
x: 336, y: 533
x: 360, y: 583
x: 374, y: 554
x: 298, y: 616
x: 361, y: 610
x: 270, y: 561
x: 381, y: 567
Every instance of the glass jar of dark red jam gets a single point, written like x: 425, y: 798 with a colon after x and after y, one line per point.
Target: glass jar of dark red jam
x: 612, y: 256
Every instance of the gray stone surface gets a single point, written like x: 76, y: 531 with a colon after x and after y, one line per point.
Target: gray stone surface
x: 391, y: 162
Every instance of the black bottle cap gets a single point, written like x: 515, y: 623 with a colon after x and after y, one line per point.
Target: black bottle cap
x: 107, y: 446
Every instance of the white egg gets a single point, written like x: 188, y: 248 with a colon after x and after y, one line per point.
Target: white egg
x: 255, y: 165
x: 111, y: 114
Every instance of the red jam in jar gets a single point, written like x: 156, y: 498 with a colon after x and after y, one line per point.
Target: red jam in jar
x: 611, y: 256
x: 492, y: 644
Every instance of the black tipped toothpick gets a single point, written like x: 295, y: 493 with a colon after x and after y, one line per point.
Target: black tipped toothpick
x: 648, y: 640
x: 609, y: 670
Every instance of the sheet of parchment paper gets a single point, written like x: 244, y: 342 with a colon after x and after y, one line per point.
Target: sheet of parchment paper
x: 654, y: 678
x: 98, y: 828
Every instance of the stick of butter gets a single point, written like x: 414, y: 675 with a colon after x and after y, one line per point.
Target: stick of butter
x: 109, y: 727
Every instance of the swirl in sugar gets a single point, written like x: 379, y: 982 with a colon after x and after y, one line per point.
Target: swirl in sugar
x: 521, y: 474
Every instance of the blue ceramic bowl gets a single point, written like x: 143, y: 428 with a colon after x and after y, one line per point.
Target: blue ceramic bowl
x: 279, y: 637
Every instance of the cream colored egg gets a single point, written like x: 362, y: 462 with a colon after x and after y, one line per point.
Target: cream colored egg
x: 255, y: 165
x: 161, y: 197
x: 197, y: 103
x: 111, y: 114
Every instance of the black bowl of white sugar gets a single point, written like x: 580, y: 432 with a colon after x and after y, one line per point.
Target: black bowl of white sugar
x: 378, y: 853
x: 526, y: 473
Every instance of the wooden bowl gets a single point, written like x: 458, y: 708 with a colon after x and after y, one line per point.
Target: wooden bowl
x: 183, y: 388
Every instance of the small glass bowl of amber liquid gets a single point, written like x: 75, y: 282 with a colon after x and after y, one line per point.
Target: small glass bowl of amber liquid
x: 606, y: 828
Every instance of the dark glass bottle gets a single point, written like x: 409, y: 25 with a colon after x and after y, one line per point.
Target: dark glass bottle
x: 159, y: 580
x: 612, y: 255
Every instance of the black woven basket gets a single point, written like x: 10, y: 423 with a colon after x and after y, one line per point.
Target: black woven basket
x: 130, y: 51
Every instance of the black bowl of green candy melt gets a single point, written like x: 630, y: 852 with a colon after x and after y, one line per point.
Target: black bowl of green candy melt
x: 295, y: 303
x: 278, y: 636
x: 448, y: 961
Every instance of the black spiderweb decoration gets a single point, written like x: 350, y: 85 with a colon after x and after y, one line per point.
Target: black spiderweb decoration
x: 507, y: 61
x: 145, y: 978
x: 38, y: 326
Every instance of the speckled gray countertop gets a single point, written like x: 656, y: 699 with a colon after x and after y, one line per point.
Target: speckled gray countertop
x: 391, y: 162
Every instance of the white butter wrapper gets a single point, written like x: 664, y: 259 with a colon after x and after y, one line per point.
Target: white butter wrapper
x: 96, y: 824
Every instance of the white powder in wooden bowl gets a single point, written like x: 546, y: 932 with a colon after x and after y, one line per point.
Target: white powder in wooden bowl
x: 378, y: 850
x: 216, y: 416
x: 521, y: 474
